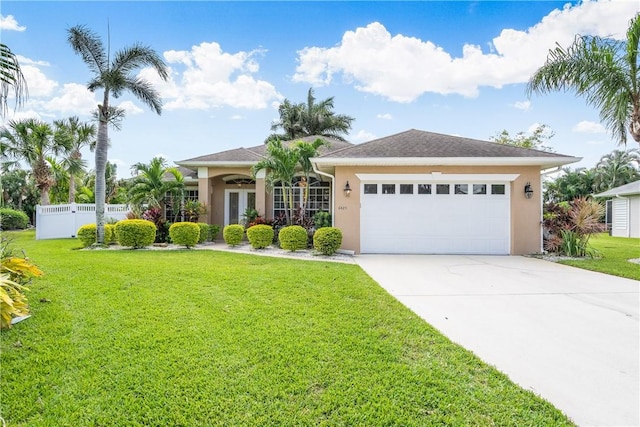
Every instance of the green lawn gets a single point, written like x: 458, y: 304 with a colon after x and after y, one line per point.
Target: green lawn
x: 615, y: 251
x: 201, y: 338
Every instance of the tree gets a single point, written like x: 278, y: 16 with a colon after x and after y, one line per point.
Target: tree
x: 310, y: 119
x: 617, y: 168
x: 75, y: 136
x: 307, y: 150
x: 31, y: 141
x: 11, y: 77
x: 149, y: 186
x: 604, y: 72
x: 280, y: 166
x: 570, y: 185
x: 535, y: 140
x: 115, y: 77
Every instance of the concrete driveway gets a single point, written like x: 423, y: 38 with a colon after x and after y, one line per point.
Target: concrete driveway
x: 569, y: 335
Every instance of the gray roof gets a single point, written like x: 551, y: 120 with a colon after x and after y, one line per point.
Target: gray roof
x: 624, y: 190
x: 417, y: 144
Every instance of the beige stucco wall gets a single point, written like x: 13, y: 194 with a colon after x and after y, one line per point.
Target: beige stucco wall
x: 211, y: 191
x: 525, y: 213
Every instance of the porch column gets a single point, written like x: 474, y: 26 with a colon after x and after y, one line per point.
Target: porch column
x: 261, y: 206
x: 205, y: 194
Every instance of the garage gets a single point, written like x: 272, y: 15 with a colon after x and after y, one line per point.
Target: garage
x: 435, y: 214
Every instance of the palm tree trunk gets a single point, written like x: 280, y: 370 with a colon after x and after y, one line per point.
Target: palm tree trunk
x: 72, y: 188
x: 634, y: 124
x: 101, y: 164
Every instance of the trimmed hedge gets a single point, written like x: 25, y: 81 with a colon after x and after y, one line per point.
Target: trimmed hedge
x: 214, y: 230
x: 136, y: 233
x: 186, y: 233
x: 327, y: 240
x: 293, y: 238
x: 233, y: 234
x: 11, y: 219
x: 87, y: 234
x: 204, y: 232
x: 260, y: 236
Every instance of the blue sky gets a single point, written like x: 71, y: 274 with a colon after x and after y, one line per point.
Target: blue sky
x: 458, y: 68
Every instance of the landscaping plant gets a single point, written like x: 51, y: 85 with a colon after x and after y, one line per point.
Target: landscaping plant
x: 87, y: 234
x: 322, y: 219
x: 233, y: 234
x: 204, y: 232
x: 260, y: 236
x: 11, y: 219
x: 293, y: 238
x: 327, y: 240
x: 570, y: 225
x: 214, y: 230
x: 135, y: 233
x: 185, y: 233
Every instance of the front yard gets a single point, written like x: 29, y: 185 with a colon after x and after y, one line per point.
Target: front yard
x: 616, y: 253
x: 189, y: 338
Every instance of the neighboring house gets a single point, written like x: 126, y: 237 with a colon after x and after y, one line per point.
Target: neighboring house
x: 625, y: 209
x: 413, y: 192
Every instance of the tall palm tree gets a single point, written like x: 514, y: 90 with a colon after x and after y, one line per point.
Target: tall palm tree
x: 310, y: 119
x: 150, y: 186
x: 280, y: 166
x: 604, y: 72
x: 11, y: 77
x: 31, y: 141
x: 59, y: 192
x: 617, y: 168
x: 307, y: 150
x: 114, y: 76
x: 75, y: 136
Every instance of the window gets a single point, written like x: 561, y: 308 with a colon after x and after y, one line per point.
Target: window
x: 318, y: 197
x: 172, y: 209
x: 388, y: 189
x: 461, y: 189
x: 406, y: 188
x: 442, y: 188
x: 479, y: 188
x: 371, y: 189
x: 497, y: 189
x: 424, y: 188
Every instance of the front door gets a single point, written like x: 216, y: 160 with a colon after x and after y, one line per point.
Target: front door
x: 236, y: 203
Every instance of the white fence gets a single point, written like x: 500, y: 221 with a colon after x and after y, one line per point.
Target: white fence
x: 62, y: 221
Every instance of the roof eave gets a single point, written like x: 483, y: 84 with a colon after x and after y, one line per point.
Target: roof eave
x: 218, y: 163
x: 446, y: 161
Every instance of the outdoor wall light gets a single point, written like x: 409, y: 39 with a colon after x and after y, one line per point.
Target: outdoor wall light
x: 347, y: 189
x: 528, y: 191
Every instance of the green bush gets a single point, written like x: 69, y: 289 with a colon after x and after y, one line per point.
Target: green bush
x: 322, y: 219
x: 204, y: 232
x: 87, y: 234
x: 136, y: 233
x: 110, y: 233
x: 293, y: 237
x: 185, y: 233
x: 327, y: 240
x: 233, y: 234
x: 214, y: 230
x: 260, y: 236
x: 11, y: 219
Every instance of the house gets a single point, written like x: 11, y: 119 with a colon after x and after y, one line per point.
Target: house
x: 625, y: 209
x: 412, y: 192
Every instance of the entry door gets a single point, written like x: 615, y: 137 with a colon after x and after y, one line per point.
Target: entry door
x: 236, y: 203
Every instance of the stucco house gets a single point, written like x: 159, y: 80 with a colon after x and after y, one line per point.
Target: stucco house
x: 625, y: 209
x: 412, y: 192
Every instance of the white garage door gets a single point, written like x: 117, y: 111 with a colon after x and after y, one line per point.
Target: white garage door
x: 435, y: 217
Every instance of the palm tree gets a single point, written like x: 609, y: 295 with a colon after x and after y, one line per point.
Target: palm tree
x: 76, y: 135
x: 150, y: 186
x: 280, y: 166
x: 617, y: 168
x: 11, y: 77
x: 604, y: 72
x: 307, y: 150
x: 310, y: 119
x: 114, y: 76
x: 31, y: 141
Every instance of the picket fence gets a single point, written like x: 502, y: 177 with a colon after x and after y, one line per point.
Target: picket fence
x: 63, y: 221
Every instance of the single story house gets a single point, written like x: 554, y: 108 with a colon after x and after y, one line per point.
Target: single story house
x: 412, y: 192
x: 625, y: 209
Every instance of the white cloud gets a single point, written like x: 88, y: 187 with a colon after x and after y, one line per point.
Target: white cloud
x: 38, y: 83
x: 533, y: 127
x: 73, y: 99
x: 9, y: 23
x: 206, y: 77
x: 522, y: 105
x: 21, y: 115
x: 363, y: 136
x: 23, y: 60
x: 402, y: 68
x: 586, y: 126
x: 385, y: 116
x: 130, y: 108
x: 237, y: 117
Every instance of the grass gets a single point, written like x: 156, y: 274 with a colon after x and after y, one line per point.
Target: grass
x: 206, y: 338
x: 615, y: 251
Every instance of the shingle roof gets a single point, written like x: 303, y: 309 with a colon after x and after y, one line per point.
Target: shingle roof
x: 624, y: 190
x: 418, y: 144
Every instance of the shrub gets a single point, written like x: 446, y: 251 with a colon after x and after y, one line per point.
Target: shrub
x: 135, y: 233
x: 87, y: 234
x: 110, y: 233
x: 214, y: 229
x: 260, y: 236
x: 568, y: 226
x: 233, y: 234
x: 322, y: 219
x: 327, y: 240
x: 204, y: 232
x: 11, y: 219
x: 293, y: 238
x: 162, y: 225
x: 185, y: 233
